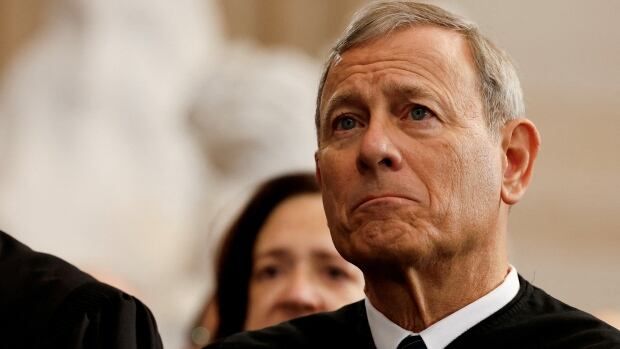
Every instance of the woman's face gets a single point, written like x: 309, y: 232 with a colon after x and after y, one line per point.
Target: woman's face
x: 296, y: 268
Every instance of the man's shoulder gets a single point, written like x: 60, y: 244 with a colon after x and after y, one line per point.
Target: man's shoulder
x: 536, y: 319
x: 567, y: 325
x: 343, y: 328
x: 46, y: 295
x: 35, y: 277
x: 540, y: 307
x: 101, y: 316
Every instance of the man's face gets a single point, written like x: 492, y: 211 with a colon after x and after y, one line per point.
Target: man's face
x: 408, y: 169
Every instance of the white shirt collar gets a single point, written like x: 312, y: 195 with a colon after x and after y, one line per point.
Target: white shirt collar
x: 387, y: 335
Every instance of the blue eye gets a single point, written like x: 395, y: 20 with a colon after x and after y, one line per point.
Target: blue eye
x: 346, y: 123
x: 419, y: 112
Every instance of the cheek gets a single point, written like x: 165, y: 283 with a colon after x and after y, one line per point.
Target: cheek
x: 439, y: 167
x: 260, y: 298
x: 336, y: 173
x: 253, y: 300
x: 355, y: 291
x: 482, y: 166
x: 261, y: 301
x: 468, y: 180
x: 336, y: 296
x: 337, y: 160
x: 337, y: 300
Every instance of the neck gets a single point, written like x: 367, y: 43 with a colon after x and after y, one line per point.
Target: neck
x: 416, y: 297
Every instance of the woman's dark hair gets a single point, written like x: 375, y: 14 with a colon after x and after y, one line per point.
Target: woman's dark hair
x: 234, y: 263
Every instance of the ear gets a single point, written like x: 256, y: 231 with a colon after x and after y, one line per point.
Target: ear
x: 520, y: 144
x: 317, y: 169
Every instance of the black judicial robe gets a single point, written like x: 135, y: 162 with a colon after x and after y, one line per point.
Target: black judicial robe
x: 46, y: 302
x: 533, y: 319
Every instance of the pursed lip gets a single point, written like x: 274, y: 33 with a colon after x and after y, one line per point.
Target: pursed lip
x: 370, y: 198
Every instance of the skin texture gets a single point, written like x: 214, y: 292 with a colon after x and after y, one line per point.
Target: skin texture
x: 416, y: 189
x: 297, y: 270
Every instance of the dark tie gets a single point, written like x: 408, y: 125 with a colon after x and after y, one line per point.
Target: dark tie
x: 412, y: 342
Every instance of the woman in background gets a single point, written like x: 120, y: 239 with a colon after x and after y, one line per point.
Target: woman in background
x: 277, y: 262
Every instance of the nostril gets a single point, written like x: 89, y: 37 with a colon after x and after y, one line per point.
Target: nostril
x: 386, y: 161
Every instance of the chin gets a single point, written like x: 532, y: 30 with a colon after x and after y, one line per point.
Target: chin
x: 384, y: 245
x: 390, y: 234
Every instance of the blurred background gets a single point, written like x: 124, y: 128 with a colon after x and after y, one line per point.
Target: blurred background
x: 132, y: 130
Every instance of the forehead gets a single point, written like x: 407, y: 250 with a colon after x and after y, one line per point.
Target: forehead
x: 432, y: 57
x: 296, y: 223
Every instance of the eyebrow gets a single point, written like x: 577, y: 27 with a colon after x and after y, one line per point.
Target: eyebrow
x: 325, y: 254
x: 282, y: 253
x: 351, y: 98
x: 274, y: 253
x: 390, y: 88
x: 405, y: 90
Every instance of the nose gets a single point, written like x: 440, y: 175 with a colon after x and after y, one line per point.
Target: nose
x: 377, y: 150
x: 301, y: 295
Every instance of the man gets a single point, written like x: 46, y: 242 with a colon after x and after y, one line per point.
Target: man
x: 422, y: 149
x: 46, y: 302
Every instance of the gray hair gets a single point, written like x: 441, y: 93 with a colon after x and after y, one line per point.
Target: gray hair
x: 499, y: 84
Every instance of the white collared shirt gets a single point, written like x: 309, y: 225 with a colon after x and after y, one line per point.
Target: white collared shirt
x: 387, y: 335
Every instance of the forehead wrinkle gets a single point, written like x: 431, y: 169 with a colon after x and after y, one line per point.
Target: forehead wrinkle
x: 442, y: 69
x: 343, y: 71
x: 418, y: 63
x: 435, y: 73
x: 444, y: 61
